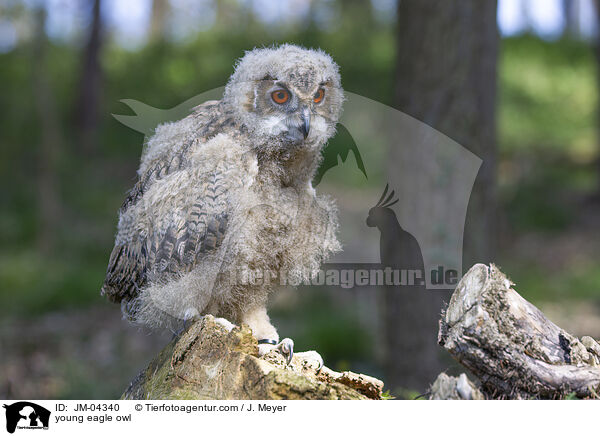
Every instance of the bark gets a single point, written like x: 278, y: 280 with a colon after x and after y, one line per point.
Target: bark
x: 209, y: 363
x: 514, y: 350
x: 446, y: 77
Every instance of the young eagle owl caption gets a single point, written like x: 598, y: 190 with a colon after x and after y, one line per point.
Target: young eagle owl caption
x: 225, y: 194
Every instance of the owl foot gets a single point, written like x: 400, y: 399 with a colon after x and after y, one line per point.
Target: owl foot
x: 284, y: 347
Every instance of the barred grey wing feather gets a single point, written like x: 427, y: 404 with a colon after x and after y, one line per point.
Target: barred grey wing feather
x: 126, y: 271
x: 176, y: 250
x: 161, y: 252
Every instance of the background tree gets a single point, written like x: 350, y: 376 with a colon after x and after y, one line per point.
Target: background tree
x: 50, y: 142
x: 571, y: 17
x: 159, y: 18
x: 88, y: 99
x: 446, y: 77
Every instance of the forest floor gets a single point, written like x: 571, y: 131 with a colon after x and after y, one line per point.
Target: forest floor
x: 82, y: 353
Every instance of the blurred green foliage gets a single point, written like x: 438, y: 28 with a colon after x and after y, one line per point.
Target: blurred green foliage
x: 537, y: 283
x: 547, y: 128
x: 548, y: 97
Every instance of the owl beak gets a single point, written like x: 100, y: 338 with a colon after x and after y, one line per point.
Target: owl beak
x: 305, y: 127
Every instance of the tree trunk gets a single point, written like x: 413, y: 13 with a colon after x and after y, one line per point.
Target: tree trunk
x: 87, y: 107
x: 51, y: 140
x: 571, y: 14
x: 514, y: 350
x: 445, y: 77
x: 158, y: 21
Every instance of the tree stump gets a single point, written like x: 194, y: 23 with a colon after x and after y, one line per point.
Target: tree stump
x: 206, y: 362
x: 514, y: 350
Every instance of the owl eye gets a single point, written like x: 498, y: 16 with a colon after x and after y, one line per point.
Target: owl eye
x: 319, y: 95
x: 280, y: 96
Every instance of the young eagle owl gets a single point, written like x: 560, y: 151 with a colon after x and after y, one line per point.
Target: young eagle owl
x: 224, y: 209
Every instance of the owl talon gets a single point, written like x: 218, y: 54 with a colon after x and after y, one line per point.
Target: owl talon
x: 286, y: 347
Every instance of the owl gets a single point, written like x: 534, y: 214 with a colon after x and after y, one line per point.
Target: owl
x: 224, y: 212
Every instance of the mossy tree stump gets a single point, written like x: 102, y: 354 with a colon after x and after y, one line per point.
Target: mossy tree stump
x: 207, y: 362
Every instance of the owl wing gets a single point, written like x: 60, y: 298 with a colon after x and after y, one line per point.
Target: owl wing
x: 170, y: 219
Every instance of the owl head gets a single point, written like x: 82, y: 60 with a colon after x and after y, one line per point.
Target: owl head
x: 286, y: 96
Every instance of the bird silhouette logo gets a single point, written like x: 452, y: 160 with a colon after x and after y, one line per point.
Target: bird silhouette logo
x: 399, y: 249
